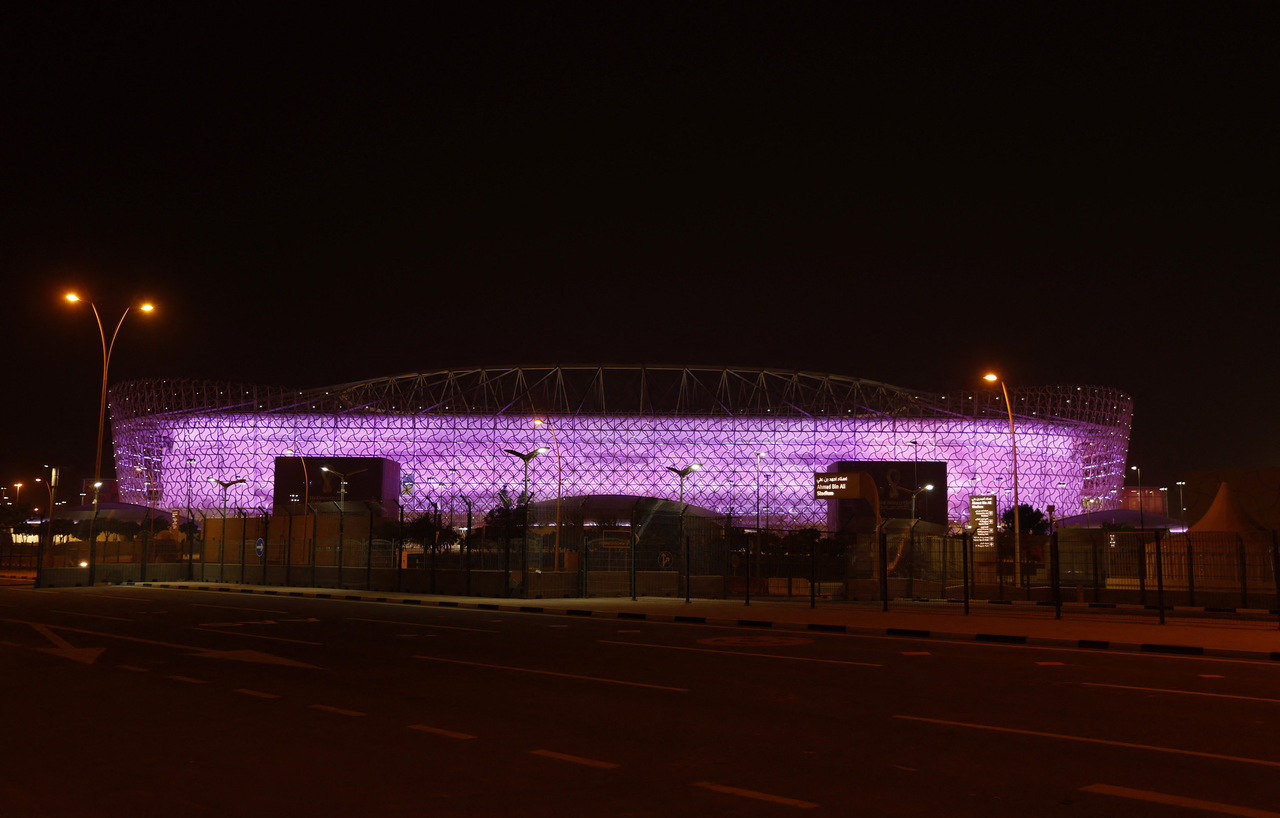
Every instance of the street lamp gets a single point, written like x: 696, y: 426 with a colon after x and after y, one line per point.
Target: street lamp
x: 17, y: 491
x: 1182, y: 503
x: 106, y: 362
x: 342, y: 482
x: 226, y: 484
x: 556, y: 444
x: 524, y: 540
x: 992, y: 377
x: 925, y: 487
x: 93, y: 521
x: 50, y: 484
x: 684, y: 548
x: 1142, y: 524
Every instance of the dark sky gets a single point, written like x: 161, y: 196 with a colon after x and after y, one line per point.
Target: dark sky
x: 905, y: 192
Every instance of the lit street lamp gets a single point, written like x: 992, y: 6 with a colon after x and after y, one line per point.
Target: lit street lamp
x: 1142, y: 524
x: 992, y: 377
x: 684, y: 548
x: 1181, y: 502
x: 556, y: 444
x: 17, y: 492
x: 524, y: 540
x: 106, y: 362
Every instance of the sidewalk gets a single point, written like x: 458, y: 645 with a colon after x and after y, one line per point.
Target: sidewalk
x: 1257, y: 640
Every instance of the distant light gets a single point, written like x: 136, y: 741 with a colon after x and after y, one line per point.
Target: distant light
x: 928, y: 486
x: 83, y: 564
x: 147, y: 307
x: 695, y: 466
x: 538, y: 421
x: 98, y: 485
x: 542, y: 450
x: 72, y: 297
x: 991, y: 376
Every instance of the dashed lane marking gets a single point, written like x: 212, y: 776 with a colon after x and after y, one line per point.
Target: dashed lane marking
x: 754, y: 794
x: 554, y: 673
x: 1183, y: 692
x: 422, y: 625
x: 744, y: 653
x: 10, y: 644
x: 258, y: 636
x: 101, y: 595
x: 1087, y: 740
x: 1212, y: 676
x: 916, y: 653
x: 188, y: 680
x: 92, y: 616
x: 586, y: 762
x: 235, y: 608
x: 557, y: 626
x: 630, y: 631
x: 1179, y: 801
x: 246, y: 691
x: 1050, y: 664
x: 326, y: 708
x: 439, y: 731
x: 134, y: 668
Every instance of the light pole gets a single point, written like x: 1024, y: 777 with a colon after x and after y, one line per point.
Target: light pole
x: 50, y: 484
x: 992, y: 377
x: 524, y: 539
x: 17, y: 493
x: 1142, y: 520
x: 556, y: 445
x: 93, y: 522
x: 925, y: 487
x: 915, y: 475
x: 1181, y: 502
x: 107, y: 348
x: 684, y: 547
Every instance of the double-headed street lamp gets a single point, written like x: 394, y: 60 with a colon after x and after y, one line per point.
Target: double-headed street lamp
x: 524, y: 540
x: 555, y: 442
x: 992, y: 377
x: 226, y: 484
x: 342, y: 482
x: 107, y: 347
x: 1181, y: 502
x: 684, y: 547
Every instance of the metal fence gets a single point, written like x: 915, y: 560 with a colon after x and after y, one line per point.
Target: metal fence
x: 676, y: 556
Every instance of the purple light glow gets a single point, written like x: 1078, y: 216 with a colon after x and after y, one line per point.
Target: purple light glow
x: 1068, y: 464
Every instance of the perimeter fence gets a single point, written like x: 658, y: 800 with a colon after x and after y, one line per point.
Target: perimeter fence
x: 361, y: 547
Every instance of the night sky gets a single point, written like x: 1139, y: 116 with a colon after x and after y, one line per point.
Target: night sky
x: 911, y: 193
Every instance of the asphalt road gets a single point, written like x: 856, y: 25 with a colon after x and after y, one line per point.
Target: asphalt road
x: 155, y: 702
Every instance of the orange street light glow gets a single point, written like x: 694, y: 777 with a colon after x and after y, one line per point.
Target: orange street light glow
x: 72, y: 297
x: 991, y: 376
x: 147, y: 307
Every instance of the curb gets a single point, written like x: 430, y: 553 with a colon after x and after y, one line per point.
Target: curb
x: 856, y: 630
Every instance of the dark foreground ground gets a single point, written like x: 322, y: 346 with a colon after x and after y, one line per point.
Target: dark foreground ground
x: 153, y: 702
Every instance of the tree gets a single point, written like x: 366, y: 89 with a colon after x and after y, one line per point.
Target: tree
x: 1031, y: 520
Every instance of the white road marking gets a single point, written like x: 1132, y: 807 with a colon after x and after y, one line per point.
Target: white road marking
x: 1087, y: 740
x: 1183, y: 692
x: 744, y: 653
x: 586, y: 762
x: 92, y: 616
x: 422, y: 625
x: 246, y: 691
x: 1212, y: 676
x: 188, y: 680
x: 629, y: 631
x: 758, y: 796
x: 1179, y: 801
x: 235, y: 608
x: 554, y: 673
x: 439, y: 731
x: 108, y: 595
x: 258, y: 636
x: 326, y: 708
x: 1049, y: 664
x: 557, y: 626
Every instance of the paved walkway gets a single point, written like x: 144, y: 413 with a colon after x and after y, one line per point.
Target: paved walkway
x: 1079, y: 628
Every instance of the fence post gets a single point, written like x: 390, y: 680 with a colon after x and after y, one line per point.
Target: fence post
x: 1097, y: 575
x: 813, y: 572
x: 1191, y: 571
x: 1244, y: 577
x: 1159, y: 577
x: 633, y: 563
x: 1054, y: 575
x: 266, y: 544
x: 965, y: 551
x: 883, y: 548
x: 142, y: 562
x: 342, y: 526
x: 1142, y: 567
x: 506, y: 559
x: 368, y: 551
x: 687, y: 575
x: 244, y: 518
x: 943, y: 545
x: 288, y: 548
x: 400, y: 555
x: 582, y: 565
x: 911, y: 561
x: 747, y: 587
x: 222, y: 549
x: 315, y: 535
x: 1275, y: 571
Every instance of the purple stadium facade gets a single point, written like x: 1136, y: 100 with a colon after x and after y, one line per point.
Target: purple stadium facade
x: 759, y: 435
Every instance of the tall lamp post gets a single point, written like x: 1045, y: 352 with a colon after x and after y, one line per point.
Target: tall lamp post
x: 992, y: 377
x: 1181, y: 502
x: 524, y: 539
x: 1142, y: 520
x: 107, y: 347
x: 556, y: 444
x: 50, y: 484
x: 684, y: 548
x: 17, y: 493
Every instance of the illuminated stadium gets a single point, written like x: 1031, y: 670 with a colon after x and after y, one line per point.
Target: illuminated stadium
x: 616, y: 430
